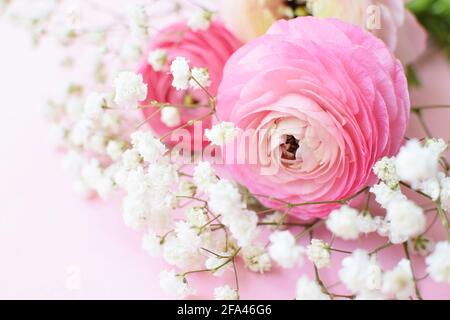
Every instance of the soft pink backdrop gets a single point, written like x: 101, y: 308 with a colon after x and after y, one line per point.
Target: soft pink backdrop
x: 49, y: 236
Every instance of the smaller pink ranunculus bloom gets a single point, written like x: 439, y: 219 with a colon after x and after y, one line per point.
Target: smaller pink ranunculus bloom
x: 322, y: 101
x: 387, y: 19
x: 209, y: 49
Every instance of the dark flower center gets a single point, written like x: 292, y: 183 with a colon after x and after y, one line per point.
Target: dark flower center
x: 289, y: 148
x: 298, y: 7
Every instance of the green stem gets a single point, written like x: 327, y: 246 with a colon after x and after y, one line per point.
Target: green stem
x: 444, y: 220
x: 408, y: 256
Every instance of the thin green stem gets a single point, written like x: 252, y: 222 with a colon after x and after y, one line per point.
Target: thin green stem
x: 408, y: 256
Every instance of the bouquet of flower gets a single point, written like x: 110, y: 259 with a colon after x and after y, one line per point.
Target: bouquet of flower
x: 264, y: 134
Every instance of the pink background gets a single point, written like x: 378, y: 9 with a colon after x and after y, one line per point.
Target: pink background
x: 48, y: 235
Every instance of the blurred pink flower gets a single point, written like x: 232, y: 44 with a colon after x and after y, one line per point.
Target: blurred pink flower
x: 204, y: 49
x: 330, y: 99
x: 387, y: 19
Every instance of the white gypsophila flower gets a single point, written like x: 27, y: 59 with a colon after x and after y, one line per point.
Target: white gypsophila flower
x: 386, y: 172
x: 436, y: 146
x: 445, y: 194
x: 137, y: 20
x: 151, y: 243
x: 97, y: 143
x: 187, y: 189
x: 130, y: 89
x: 182, y: 255
x: 162, y: 176
x: 431, y: 188
x: 406, y: 220
x: 95, y: 104
x: 115, y: 149
x: 149, y: 147
x: 175, y: 284
x: 438, y: 263
x: 422, y: 246
x: 384, y: 195
x: 222, y: 133
x: 416, y: 163
x: 243, y: 226
x: 367, y: 223
x: 309, y: 290
x: 181, y: 73
x: 217, y: 265
x: 82, y: 131
x: 171, y: 116
x: 200, y: 78
x: 200, y: 20
x: 360, y: 272
x: 131, y: 159
x: 131, y: 51
x: 399, y: 281
x: 204, y: 176
x: 104, y: 187
x: 225, y: 293
x: 91, y: 173
x: 110, y: 122
x: 225, y: 198
x: 318, y: 252
x: 158, y: 59
x: 275, y: 221
x: 58, y: 135
x: 197, y: 217
x: 188, y: 235
x: 284, y: 250
x: 256, y: 258
x: 343, y: 222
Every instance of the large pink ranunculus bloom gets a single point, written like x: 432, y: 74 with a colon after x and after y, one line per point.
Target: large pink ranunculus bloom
x: 329, y: 99
x: 387, y: 19
x: 204, y: 49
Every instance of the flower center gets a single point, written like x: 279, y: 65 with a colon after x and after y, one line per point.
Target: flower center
x: 289, y: 148
x: 296, y: 8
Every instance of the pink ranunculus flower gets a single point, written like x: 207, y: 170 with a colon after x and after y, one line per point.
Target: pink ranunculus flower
x: 204, y: 49
x: 330, y: 100
x: 387, y: 19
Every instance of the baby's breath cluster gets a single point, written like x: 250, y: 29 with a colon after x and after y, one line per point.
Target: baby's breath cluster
x: 200, y: 222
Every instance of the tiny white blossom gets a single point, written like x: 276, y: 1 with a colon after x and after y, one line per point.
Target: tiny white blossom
x: 386, y: 172
x: 225, y: 198
x: 200, y: 20
x: 256, y: 259
x: 275, y: 220
x: 152, y: 244
x: 222, y: 133
x: 225, y: 293
x: 243, y: 226
x: 436, y: 146
x: 318, y: 252
x: 431, y: 188
x: 200, y: 78
x: 137, y: 20
x: 204, y: 176
x: 343, y: 222
x: 438, y: 263
x: 360, y: 272
x: 131, y: 159
x: 217, y: 265
x: 284, y: 250
x: 406, y: 220
x: 309, y: 290
x: 149, y: 147
x: 171, y: 116
x: 445, y: 194
x: 175, y: 285
x: 368, y: 224
x: 115, y: 149
x: 399, y: 281
x: 422, y: 246
x: 181, y: 73
x: 197, y: 217
x: 384, y: 195
x: 187, y: 189
x: 158, y: 59
x: 130, y: 89
x: 95, y: 104
x: 416, y: 163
